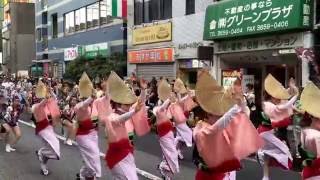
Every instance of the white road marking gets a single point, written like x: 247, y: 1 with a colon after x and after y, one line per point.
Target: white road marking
x: 139, y: 171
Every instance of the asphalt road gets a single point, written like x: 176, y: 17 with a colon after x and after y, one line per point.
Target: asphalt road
x: 23, y: 164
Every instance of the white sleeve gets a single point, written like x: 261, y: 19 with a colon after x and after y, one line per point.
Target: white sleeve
x: 86, y: 103
x: 289, y: 103
x: 165, y: 105
x: 224, y: 121
x: 124, y: 117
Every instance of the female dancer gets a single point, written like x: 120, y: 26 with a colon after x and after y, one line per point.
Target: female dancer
x: 11, y: 124
x: 227, y: 135
x: 119, y: 156
x: 310, y: 136
x: 277, y: 114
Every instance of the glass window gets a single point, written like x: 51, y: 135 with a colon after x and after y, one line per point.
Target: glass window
x: 138, y: 12
x: 80, y: 18
x: 105, y: 11
x: 190, y: 7
x: 93, y: 15
x: 69, y: 22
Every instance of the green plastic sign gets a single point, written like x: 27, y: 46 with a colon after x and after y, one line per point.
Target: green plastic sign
x: 234, y: 18
x: 92, y: 51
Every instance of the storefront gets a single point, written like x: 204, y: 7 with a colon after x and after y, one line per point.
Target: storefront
x: 153, y: 62
x: 258, y: 38
x: 151, y: 53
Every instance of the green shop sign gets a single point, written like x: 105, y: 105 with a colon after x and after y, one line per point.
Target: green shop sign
x: 234, y: 18
x: 94, y: 50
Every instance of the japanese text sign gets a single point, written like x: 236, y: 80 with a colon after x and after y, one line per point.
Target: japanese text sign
x: 152, y: 34
x: 151, y: 56
x: 254, y: 44
x: 235, y: 18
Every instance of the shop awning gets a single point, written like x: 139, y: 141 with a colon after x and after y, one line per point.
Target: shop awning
x: 238, y: 18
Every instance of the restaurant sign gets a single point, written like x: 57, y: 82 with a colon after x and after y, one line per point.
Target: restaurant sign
x: 284, y: 41
x: 236, y: 18
x: 151, y: 56
x: 152, y: 34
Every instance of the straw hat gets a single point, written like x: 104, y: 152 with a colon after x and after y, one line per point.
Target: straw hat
x: 41, y: 90
x: 85, y: 86
x: 310, y: 100
x: 119, y: 92
x: 164, y: 90
x: 179, y: 86
x: 275, y: 89
x: 213, y: 98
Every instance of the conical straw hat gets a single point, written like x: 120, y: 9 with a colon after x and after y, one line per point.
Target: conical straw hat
x: 310, y: 100
x: 85, y: 86
x: 119, y: 92
x: 164, y: 90
x: 41, y: 90
x: 213, y: 98
x: 179, y: 86
x: 275, y: 89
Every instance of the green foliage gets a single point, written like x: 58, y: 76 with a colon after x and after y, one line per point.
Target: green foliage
x: 98, y: 67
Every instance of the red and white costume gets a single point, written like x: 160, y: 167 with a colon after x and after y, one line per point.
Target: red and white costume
x: 51, y: 148
x: 170, y: 161
x: 225, y: 143
x: 87, y: 139
x: 275, y: 150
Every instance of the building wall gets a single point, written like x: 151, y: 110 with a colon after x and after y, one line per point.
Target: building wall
x: 21, y: 37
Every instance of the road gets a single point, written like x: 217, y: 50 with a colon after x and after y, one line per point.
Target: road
x: 23, y: 165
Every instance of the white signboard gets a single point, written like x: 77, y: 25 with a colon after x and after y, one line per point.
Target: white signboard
x: 70, y: 54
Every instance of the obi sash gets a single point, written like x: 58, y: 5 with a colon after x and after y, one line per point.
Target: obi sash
x: 164, y: 128
x: 85, y: 127
x: 118, y: 151
x: 203, y: 175
x: 41, y: 125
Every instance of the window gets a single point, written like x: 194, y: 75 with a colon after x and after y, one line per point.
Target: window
x: 138, y: 12
x: 93, y: 15
x: 190, y: 7
x: 54, y: 19
x: 165, y: 9
x: 39, y: 34
x: 69, y: 22
x: 80, y: 17
x: 317, y: 21
x: 44, y: 18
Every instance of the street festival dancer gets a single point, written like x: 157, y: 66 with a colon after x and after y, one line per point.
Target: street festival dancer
x: 10, y: 124
x: 44, y: 129
x: 310, y: 136
x: 169, y: 166
x: 126, y: 106
x: 87, y: 135
x: 277, y: 112
x: 227, y: 135
x: 180, y: 113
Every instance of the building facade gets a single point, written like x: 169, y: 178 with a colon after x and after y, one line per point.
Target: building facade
x: 254, y: 38
x: 165, y: 38
x: 71, y: 28
x: 18, y: 36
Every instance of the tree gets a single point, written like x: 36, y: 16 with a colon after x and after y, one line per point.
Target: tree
x: 98, y: 67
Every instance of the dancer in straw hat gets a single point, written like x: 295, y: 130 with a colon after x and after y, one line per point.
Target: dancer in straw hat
x: 277, y: 113
x: 87, y: 135
x: 169, y: 166
x: 227, y: 135
x: 126, y: 106
x: 310, y: 136
x: 44, y: 129
x: 180, y: 112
